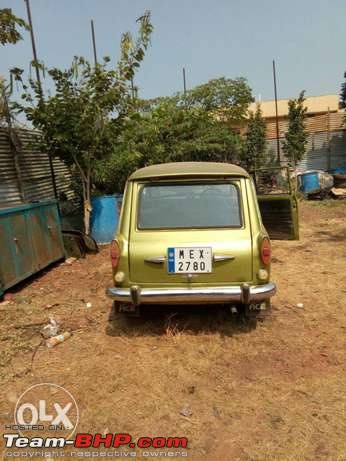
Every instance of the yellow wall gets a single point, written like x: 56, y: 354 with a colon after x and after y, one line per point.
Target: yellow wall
x: 314, y: 105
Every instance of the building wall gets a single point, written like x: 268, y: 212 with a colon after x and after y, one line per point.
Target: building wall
x: 314, y: 123
x: 326, y: 147
x: 313, y: 104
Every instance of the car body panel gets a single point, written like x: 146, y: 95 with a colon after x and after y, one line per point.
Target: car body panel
x: 280, y: 216
x: 278, y: 203
x: 188, y: 169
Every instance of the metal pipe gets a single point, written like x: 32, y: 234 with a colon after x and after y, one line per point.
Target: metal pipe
x: 33, y: 44
x: 94, y: 41
x: 38, y: 78
x: 276, y: 115
x: 184, y: 81
x: 328, y: 142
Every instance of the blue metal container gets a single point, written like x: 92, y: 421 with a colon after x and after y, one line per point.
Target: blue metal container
x: 310, y: 182
x: 104, y: 217
x: 30, y: 239
x: 340, y: 170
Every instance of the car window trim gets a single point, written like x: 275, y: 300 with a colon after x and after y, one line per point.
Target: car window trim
x: 235, y: 182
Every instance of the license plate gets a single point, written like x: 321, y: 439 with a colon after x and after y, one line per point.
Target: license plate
x: 186, y: 260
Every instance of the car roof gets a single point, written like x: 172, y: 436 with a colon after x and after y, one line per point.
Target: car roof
x: 188, y: 169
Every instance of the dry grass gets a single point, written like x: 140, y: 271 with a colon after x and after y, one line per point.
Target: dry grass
x: 273, y: 393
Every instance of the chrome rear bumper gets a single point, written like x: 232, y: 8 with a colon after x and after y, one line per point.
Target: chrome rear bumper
x: 244, y: 294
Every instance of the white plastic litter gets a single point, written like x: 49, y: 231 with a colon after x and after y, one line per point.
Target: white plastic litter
x: 51, y: 329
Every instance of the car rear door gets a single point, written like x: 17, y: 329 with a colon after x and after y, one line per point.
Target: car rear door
x: 278, y: 202
x: 230, y: 247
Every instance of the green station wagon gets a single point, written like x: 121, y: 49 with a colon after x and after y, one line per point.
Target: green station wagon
x: 192, y: 233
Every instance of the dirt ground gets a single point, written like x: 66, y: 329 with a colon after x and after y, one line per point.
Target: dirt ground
x: 277, y: 392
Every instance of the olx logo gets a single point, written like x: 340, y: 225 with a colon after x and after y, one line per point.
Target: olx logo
x: 39, y: 414
x: 46, y: 407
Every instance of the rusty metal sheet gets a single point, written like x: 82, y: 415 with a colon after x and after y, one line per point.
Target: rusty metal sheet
x: 33, y: 176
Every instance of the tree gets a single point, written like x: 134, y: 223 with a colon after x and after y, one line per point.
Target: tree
x: 343, y: 94
x: 9, y: 24
x: 254, y: 149
x: 8, y: 35
x: 80, y: 122
x: 225, y: 98
x: 229, y: 98
x: 296, y: 137
x: 167, y: 129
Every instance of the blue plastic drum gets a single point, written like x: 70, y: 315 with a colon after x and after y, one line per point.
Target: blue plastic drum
x: 105, y: 217
x: 310, y: 182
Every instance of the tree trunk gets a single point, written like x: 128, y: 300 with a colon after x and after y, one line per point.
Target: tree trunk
x: 86, y: 204
x: 86, y: 188
x: 87, y: 213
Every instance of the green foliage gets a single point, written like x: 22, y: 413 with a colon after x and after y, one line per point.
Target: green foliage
x: 3, y: 106
x: 80, y: 121
x: 223, y: 97
x: 167, y: 131
x: 227, y: 97
x: 343, y: 94
x: 254, y: 148
x: 133, y: 52
x: 296, y: 137
x: 9, y: 24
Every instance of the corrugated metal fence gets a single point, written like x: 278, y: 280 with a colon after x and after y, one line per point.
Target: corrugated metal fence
x: 25, y: 173
x: 326, y: 147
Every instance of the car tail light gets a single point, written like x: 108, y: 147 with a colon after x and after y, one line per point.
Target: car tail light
x: 265, y: 251
x: 115, y: 253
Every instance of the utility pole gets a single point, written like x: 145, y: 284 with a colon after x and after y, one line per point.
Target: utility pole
x: 184, y: 81
x: 39, y: 84
x: 328, y: 142
x: 276, y: 115
x: 33, y: 44
x: 94, y: 41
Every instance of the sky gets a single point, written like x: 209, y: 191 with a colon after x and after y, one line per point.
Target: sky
x: 210, y: 38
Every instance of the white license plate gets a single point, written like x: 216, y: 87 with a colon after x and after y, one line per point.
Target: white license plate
x: 189, y: 260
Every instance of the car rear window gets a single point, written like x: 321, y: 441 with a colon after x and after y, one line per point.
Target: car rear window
x: 180, y: 206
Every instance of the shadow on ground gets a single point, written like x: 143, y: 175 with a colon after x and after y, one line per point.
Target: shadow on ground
x: 322, y: 236
x: 175, y: 320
